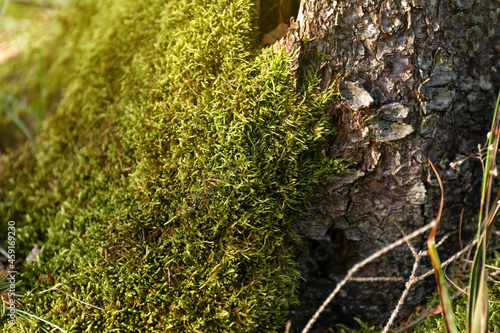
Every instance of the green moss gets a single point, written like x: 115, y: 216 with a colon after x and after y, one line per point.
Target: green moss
x: 164, y: 188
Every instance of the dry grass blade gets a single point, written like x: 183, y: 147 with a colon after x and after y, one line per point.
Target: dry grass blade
x: 449, y: 317
x: 27, y: 316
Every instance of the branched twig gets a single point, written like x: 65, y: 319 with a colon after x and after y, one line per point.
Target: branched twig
x: 452, y: 258
x: 412, y: 280
x: 359, y: 265
x: 408, y: 286
x: 377, y: 279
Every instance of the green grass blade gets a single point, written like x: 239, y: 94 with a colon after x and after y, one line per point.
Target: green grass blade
x: 495, y: 143
x: 42, y: 109
x: 479, y: 323
x: 19, y: 122
x: 13, y: 115
x: 444, y: 294
x: 4, y: 8
x: 487, y: 175
x: 477, y: 312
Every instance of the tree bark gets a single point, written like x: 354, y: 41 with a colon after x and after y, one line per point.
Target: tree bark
x: 419, y: 80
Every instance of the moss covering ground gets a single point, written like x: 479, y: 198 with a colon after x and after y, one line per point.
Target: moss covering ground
x: 164, y: 186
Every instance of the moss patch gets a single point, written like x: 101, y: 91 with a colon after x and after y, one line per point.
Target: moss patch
x: 164, y: 187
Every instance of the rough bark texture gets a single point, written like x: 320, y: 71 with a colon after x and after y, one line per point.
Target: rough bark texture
x: 419, y: 80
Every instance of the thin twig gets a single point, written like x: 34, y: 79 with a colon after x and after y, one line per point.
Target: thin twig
x: 412, y: 249
x: 467, y: 261
x: 359, y: 265
x: 444, y: 239
x: 377, y: 279
x: 451, y: 259
x: 405, y: 293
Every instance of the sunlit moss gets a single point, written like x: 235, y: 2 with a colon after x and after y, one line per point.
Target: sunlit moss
x: 164, y: 187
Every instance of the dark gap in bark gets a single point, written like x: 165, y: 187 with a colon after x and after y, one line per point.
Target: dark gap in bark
x: 273, y: 12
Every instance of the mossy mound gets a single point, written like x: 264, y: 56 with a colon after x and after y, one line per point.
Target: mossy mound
x: 164, y: 187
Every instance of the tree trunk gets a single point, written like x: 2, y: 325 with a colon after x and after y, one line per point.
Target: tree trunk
x: 419, y: 80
